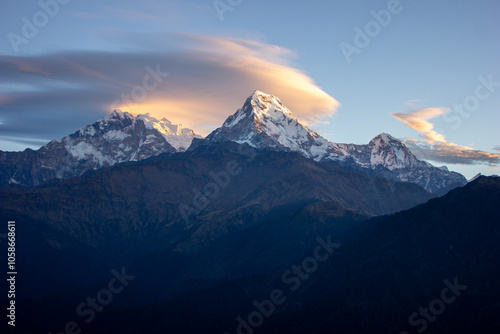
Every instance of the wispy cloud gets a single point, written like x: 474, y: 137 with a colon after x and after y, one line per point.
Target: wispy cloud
x: 417, y: 120
x: 28, y: 141
x: 434, y: 146
x: 413, y: 103
x: 209, y: 78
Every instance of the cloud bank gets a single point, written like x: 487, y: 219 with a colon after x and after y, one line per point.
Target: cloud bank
x: 434, y: 145
x: 51, y: 95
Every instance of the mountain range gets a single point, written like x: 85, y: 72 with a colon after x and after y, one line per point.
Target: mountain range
x: 186, y: 201
x: 263, y: 123
x: 381, y: 276
x: 120, y: 137
x: 264, y: 226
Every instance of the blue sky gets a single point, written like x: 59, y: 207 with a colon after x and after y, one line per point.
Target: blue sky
x: 410, y: 79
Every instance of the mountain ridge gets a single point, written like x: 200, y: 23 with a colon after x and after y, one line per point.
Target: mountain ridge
x: 119, y: 137
x: 386, y: 270
x: 264, y: 122
x: 126, y: 210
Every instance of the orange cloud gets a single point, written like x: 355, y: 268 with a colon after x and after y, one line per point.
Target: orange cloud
x: 216, y: 75
x: 417, y: 120
x: 435, y: 146
x: 208, y: 79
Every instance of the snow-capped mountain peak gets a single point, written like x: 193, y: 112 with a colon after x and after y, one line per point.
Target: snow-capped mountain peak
x: 264, y: 122
x: 176, y: 135
x: 261, y: 107
x: 116, y: 138
x: 118, y: 113
x: 116, y: 124
x: 267, y: 104
x: 383, y: 137
x: 391, y: 153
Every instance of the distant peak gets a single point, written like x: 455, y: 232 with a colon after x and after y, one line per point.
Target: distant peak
x: 260, y: 104
x: 148, y: 118
x: 263, y: 99
x: 118, y: 113
x: 478, y: 175
x: 259, y: 93
x: 384, y: 136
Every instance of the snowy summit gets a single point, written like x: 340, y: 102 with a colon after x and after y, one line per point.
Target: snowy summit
x: 264, y: 122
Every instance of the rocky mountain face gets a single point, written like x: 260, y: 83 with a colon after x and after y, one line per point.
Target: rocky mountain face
x: 389, y: 157
x: 399, y: 267
x: 265, y: 123
x: 120, y: 137
x: 431, y: 268
x: 186, y: 201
